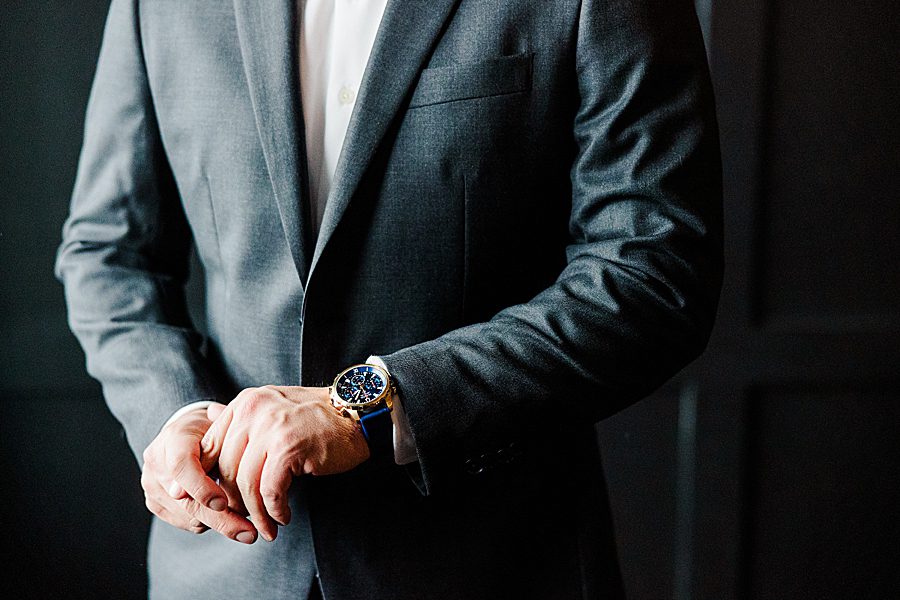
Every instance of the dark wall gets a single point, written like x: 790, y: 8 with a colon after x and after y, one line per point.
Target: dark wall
x: 798, y: 460
x: 769, y: 469
x: 72, y: 518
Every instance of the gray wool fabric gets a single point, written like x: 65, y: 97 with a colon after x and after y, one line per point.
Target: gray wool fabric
x: 525, y: 224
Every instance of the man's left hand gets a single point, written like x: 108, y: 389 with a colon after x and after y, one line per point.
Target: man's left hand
x: 267, y: 436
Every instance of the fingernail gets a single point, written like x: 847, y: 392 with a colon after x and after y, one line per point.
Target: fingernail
x: 174, y: 489
x: 217, y: 504
x: 246, y: 537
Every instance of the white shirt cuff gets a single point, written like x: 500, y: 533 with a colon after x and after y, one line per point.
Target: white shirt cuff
x: 188, y: 408
x: 404, y: 447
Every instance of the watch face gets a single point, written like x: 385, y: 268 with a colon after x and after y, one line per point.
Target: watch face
x: 361, y: 385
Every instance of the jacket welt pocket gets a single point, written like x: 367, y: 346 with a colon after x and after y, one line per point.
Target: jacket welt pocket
x: 465, y: 81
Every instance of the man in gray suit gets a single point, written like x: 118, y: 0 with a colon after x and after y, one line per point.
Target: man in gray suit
x: 520, y: 237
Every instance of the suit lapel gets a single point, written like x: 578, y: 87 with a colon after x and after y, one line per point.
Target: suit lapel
x: 404, y: 41
x: 267, y: 32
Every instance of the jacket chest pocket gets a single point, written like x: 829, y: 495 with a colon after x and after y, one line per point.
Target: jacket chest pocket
x: 466, y: 81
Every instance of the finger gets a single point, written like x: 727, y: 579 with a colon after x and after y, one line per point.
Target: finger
x: 190, y: 515
x: 168, y: 510
x: 229, y: 458
x: 249, y: 472
x: 187, y: 475
x: 226, y: 522
x: 214, y: 410
x: 155, y: 497
x: 211, y: 444
x: 161, y: 511
x: 274, y: 483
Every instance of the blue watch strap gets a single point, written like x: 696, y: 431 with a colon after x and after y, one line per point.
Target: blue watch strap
x: 378, y: 429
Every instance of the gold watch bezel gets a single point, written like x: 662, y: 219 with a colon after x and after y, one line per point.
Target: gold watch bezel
x: 353, y: 407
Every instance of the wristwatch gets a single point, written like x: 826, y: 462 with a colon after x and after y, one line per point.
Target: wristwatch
x: 365, y: 393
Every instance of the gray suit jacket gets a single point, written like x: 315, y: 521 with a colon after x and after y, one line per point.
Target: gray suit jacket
x: 525, y: 224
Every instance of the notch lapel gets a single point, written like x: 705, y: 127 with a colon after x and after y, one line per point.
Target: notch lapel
x: 267, y: 32
x: 406, y: 35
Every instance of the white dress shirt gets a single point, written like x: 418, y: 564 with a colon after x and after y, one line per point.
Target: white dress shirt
x: 336, y: 39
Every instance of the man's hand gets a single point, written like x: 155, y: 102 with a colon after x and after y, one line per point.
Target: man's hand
x: 176, y: 485
x: 267, y: 436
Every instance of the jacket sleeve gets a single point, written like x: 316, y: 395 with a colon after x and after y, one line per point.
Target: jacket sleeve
x: 124, y: 254
x: 636, y: 300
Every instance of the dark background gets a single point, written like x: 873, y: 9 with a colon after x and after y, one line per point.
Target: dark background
x: 768, y: 469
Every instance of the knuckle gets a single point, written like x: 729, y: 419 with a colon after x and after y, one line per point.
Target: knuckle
x: 226, y: 474
x: 204, y: 496
x: 245, y: 392
x: 272, y: 392
x: 150, y: 460
x: 270, y: 495
x: 286, y: 436
x: 158, y: 509
x: 190, y: 506
x: 178, y: 467
x: 222, y: 526
x: 249, y: 405
x: 246, y: 484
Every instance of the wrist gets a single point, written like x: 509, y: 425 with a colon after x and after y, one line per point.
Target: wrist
x: 364, y: 393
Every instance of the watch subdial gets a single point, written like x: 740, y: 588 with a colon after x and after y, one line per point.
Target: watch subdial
x: 374, y: 384
x: 348, y: 392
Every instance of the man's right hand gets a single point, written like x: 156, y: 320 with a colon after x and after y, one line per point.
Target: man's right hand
x: 176, y: 485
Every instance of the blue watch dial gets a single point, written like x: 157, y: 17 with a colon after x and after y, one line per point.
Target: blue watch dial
x: 361, y: 385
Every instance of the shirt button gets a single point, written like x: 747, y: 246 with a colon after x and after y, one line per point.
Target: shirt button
x: 346, y: 96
